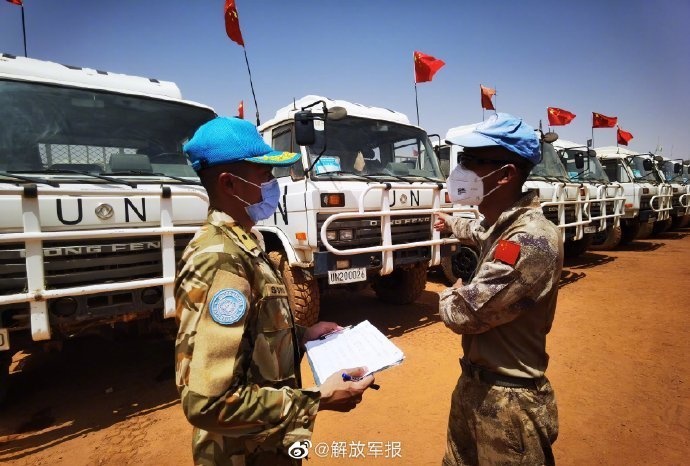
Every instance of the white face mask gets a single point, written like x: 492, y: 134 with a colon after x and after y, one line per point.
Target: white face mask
x: 466, y: 187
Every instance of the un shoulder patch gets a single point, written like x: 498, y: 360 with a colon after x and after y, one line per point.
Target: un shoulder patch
x: 227, y: 306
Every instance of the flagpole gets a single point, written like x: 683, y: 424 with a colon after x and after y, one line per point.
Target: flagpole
x: 251, y: 84
x: 23, y: 29
x: 416, y: 101
x: 495, y: 99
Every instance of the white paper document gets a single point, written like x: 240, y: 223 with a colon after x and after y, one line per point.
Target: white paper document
x: 361, y: 345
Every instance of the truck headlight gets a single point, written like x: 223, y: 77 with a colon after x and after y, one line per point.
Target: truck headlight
x: 345, y: 235
x: 331, y: 235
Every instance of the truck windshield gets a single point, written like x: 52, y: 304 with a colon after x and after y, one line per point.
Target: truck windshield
x: 53, y: 129
x: 550, y: 166
x: 667, y: 167
x: 636, y: 164
x: 591, y: 171
x: 365, y: 147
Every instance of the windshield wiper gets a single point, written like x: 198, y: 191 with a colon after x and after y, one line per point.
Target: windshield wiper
x: 141, y: 173
x: 546, y: 177
x: 328, y: 175
x: 397, y: 177
x: 29, y: 179
x: 94, y: 175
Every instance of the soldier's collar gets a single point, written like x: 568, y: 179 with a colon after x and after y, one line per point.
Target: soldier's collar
x: 219, y: 218
x: 528, y: 200
x: 226, y: 223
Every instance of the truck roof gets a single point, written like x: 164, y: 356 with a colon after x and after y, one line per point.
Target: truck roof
x: 565, y: 144
x: 353, y: 109
x: 41, y: 71
x: 613, y: 152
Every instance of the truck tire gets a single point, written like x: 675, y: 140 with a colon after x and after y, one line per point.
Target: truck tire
x: 578, y: 247
x: 645, y: 231
x: 5, y: 362
x: 303, y: 291
x: 661, y: 227
x: 629, y: 231
x: 462, y: 264
x: 612, y: 239
x: 403, y: 286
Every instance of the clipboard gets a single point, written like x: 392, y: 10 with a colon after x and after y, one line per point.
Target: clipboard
x: 361, y: 345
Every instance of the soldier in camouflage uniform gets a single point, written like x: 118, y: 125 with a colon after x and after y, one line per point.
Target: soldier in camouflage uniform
x: 503, y: 409
x: 238, y: 349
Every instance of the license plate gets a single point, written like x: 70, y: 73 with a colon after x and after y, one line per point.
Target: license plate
x: 4, y: 339
x: 347, y: 275
x: 590, y: 229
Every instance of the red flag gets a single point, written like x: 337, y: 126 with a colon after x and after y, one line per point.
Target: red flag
x: 425, y: 67
x: 623, y: 136
x: 16, y: 2
x: 602, y: 121
x: 487, y: 93
x: 559, y: 117
x: 232, y: 22
x: 240, y: 110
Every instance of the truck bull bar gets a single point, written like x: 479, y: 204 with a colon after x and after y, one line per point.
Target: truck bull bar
x: 33, y: 237
x: 560, y: 199
x: 387, y: 247
x: 603, y: 199
x: 664, y: 202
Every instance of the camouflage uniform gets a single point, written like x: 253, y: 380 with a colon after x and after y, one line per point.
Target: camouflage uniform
x: 240, y: 382
x: 504, y: 314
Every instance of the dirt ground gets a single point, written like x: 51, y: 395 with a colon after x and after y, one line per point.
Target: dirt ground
x: 619, y: 365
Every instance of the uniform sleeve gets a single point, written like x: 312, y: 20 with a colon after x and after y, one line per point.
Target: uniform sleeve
x: 211, y: 370
x: 500, y: 292
x: 464, y: 229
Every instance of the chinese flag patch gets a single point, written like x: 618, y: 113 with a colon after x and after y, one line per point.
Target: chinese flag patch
x: 507, y: 252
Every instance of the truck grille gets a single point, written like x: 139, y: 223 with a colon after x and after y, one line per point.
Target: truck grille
x: 69, y: 263
x: 645, y: 202
x: 367, y: 231
x: 551, y: 213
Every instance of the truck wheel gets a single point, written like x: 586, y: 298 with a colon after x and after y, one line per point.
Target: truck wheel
x: 5, y: 362
x: 403, y: 286
x: 629, y: 231
x: 612, y: 239
x: 661, y: 227
x: 303, y: 291
x: 645, y: 230
x: 462, y: 264
x: 576, y: 248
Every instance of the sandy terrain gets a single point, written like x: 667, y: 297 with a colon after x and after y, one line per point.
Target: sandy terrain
x: 619, y: 365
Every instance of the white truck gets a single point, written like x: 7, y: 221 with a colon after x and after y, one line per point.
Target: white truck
x: 606, y: 201
x: 563, y: 202
x: 647, y: 199
x: 97, y: 199
x: 358, y: 207
x: 673, y: 171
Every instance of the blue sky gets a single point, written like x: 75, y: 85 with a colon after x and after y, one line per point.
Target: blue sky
x: 629, y: 59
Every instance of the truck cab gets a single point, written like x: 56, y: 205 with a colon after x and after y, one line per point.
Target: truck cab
x: 648, y: 201
x: 673, y: 170
x: 357, y: 208
x: 605, y: 204
x: 97, y: 199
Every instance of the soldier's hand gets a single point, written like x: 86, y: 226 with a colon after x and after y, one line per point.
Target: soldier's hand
x: 458, y: 283
x: 318, y: 329
x: 442, y: 222
x: 338, y: 395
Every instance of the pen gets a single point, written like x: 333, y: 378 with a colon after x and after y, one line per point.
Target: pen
x: 347, y: 378
x: 323, y: 337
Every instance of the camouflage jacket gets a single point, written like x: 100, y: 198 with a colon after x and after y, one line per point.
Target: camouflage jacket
x: 237, y: 351
x: 507, y: 309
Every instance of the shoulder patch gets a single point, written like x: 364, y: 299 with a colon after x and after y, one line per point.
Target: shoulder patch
x: 507, y: 252
x: 227, y: 306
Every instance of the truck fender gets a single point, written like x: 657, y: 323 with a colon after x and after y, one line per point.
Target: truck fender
x: 270, y: 231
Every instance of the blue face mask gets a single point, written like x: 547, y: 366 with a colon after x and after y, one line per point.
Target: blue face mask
x: 270, y: 196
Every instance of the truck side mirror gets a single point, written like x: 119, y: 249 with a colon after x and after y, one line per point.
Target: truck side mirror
x: 305, y: 134
x: 591, y: 153
x: 677, y: 168
x: 647, y: 165
x: 579, y: 161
